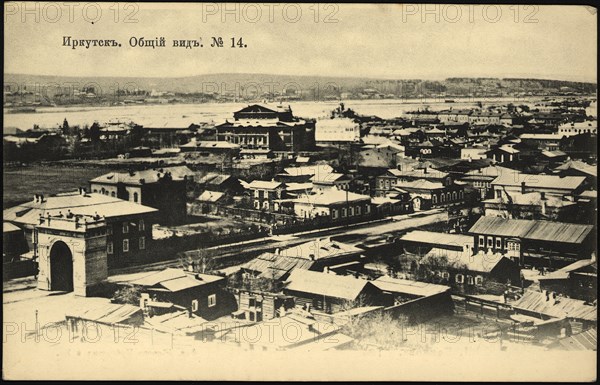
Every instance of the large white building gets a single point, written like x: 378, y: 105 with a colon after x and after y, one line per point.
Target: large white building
x: 570, y: 129
x: 337, y: 130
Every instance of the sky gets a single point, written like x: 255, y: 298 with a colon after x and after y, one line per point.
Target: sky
x: 351, y: 40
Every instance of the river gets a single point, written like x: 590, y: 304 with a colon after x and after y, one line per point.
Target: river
x: 217, y: 112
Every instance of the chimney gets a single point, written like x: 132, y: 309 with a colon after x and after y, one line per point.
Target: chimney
x: 425, y: 170
x: 543, y: 206
x: 523, y: 187
x: 277, y: 251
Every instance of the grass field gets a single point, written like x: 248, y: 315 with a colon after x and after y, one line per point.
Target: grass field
x: 21, y: 183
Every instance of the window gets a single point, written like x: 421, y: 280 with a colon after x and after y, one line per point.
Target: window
x: 125, y: 245
x: 135, y: 197
x: 255, y: 193
x: 112, y: 194
x: 212, y: 300
x: 343, y: 212
x: 433, y: 199
x: 357, y: 210
x: 142, y: 243
x: 469, y: 280
x: 367, y: 208
x: 498, y: 243
x: 445, y: 275
x: 109, y: 229
x: 256, y: 204
x: 142, y: 225
x: 109, y: 248
x: 195, y: 305
x: 479, y: 280
x: 481, y: 240
x: 334, y: 213
x: 125, y: 227
x: 460, y: 278
x: 351, y: 211
x: 490, y: 242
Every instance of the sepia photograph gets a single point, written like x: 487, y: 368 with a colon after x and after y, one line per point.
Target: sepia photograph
x: 299, y: 191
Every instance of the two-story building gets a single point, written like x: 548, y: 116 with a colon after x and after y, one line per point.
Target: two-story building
x: 534, y: 242
x: 481, y: 179
x: 333, y: 204
x: 128, y: 225
x: 164, y: 189
x: 386, y: 182
x: 266, y: 194
x: 260, y: 127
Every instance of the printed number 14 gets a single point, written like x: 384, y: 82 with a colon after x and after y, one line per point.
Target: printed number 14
x: 239, y: 43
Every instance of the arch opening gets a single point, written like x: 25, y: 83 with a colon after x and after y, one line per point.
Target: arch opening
x: 61, y: 267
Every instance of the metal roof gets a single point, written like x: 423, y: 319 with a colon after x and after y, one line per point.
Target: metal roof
x: 176, y: 280
x: 539, y: 181
x: 406, y: 286
x: 329, y: 285
x: 434, y: 238
x: 532, y: 229
x: 89, y: 204
x: 587, y: 340
x: 109, y: 313
x: 534, y: 301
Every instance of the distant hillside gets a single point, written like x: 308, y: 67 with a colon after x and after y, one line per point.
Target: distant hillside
x: 52, y: 88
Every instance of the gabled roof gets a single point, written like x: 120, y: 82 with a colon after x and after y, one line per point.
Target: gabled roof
x: 515, y: 178
x: 492, y: 171
x: 434, y: 238
x: 428, y: 173
x: 329, y: 285
x: 328, y: 178
x: 420, y: 184
x: 275, y: 266
x: 257, y: 109
x: 210, y: 196
x: 406, y: 286
x: 532, y: 229
x: 176, y: 280
x: 320, y: 249
x: 265, y: 185
x: 579, y: 166
x: 565, y: 271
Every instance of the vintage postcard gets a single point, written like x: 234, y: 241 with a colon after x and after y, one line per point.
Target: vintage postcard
x: 299, y: 191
